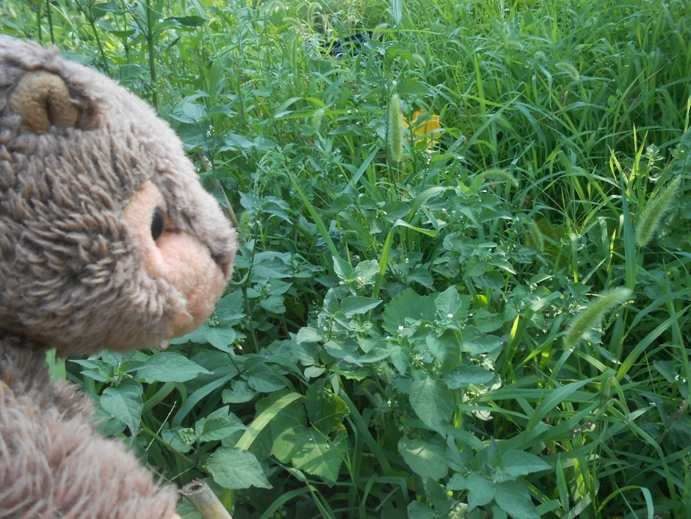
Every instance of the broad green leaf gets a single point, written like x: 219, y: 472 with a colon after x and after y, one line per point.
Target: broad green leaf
x: 457, y: 482
x: 407, y: 304
x: 262, y: 378
x: 218, y: 425
x: 520, y: 463
x: 399, y: 357
x: 273, y: 303
x: 432, y: 402
x: 236, y: 468
x: 487, y: 321
x: 342, y: 269
x: 477, y: 342
x: 480, y: 490
x: 356, y: 305
x: 178, y: 440
x: 447, y: 303
x: 221, y: 337
x: 425, y: 458
x: 264, y: 418
x: 308, y: 334
x: 310, y: 451
x: 169, y: 366
x: 240, y: 393
x: 513, y: 497
x: 417, y: 510
x: 446, y: 349
x: 463, y: 376
x: 366, y: 271
x: 325, y: 410
x: 314, y: 371
x: 409, y: 86
x: 125, y: 403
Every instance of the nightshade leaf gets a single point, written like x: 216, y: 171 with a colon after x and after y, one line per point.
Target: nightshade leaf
x: 236, y: 468
x: 125, y: 403
x: 513, y: 497
x: 169, y: 366
x: 427, y: 459
x: 432, y: 402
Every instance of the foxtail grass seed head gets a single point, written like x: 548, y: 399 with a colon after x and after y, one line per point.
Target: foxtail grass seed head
x: 569, y: 69
x: 536, y: 235
x: 317, y: 119
x: 312, y: 10
x: 498, y: 175
x: 649, y: 219
x: 395, y: 129
x: 591, y: 317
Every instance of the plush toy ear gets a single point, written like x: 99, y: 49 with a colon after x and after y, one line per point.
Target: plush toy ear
x: 42, y: 100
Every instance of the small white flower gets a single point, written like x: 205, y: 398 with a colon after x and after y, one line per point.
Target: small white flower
x: 449, y: 316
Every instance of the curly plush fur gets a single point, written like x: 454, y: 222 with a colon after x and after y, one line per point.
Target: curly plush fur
x: 77, y: 274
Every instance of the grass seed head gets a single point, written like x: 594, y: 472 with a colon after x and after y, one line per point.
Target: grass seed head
x: 395, y: 129
x: 498, y: 175
x: 650, y: 218
x: 536, y: 235
x: 591, y: 317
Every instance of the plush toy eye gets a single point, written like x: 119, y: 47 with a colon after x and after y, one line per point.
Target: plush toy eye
x: 157, y: 224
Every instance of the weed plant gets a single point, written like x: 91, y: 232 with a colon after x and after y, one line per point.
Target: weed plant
x: 477, y: 308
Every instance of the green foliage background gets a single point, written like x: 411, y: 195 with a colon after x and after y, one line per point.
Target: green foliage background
x: 494, y: 325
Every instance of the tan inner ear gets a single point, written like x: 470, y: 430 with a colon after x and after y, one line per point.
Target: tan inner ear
x: 178, y: 258
x: 43, y: 99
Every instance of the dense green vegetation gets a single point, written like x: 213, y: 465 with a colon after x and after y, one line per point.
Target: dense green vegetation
x: 480, y: 312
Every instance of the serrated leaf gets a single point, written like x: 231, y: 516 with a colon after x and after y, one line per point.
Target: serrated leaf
x: 236, y: 469
x: 425, y: 458
x: 169, y: 366
x: 432, y: 402
x: 125, y: 403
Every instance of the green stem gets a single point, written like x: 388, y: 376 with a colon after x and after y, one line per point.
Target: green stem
x: 151, y: 48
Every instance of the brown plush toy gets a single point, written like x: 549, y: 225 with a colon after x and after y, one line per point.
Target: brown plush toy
x: 107, y: 241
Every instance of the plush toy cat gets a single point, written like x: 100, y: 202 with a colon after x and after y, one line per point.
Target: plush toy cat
x: 107, y: 241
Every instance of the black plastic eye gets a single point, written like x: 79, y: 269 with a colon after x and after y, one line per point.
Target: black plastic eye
x: 157, y: 224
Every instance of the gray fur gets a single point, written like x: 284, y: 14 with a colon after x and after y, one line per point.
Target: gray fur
x: 71, y: 278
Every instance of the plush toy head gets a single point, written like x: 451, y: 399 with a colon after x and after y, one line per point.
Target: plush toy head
x: 107, y: 239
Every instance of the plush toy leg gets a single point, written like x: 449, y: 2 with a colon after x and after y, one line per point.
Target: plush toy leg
x: 53, y: 464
